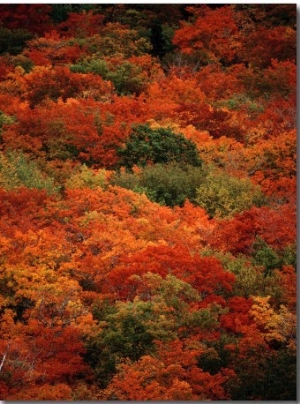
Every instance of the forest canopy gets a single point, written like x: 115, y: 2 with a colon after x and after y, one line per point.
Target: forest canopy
x: 148, y: 202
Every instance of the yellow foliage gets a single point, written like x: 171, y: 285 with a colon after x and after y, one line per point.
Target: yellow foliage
x: 87, y: 178
x: 279, y: 326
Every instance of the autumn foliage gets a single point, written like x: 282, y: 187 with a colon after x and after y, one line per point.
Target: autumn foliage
x: 148, y: 202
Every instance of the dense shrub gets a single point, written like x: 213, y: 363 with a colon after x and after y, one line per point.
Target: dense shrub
x: 151, y: 146
x: 223, y: 195
x: 169, y: 184
x: 16, y: 170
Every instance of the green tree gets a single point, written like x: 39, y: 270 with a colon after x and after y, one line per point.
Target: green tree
x: 270, y: 259
x: 13, y: 41
x: 17, y: 170
x: 86, y: 177
x: 129, y: 329
x: 93, y: 65
x: 249, y: 279
x: 223, y: 195
x: 127, y: 78
x: 151, y: 146
x: 170, y: 184
x: 5, y: 120
x: 123, y: 335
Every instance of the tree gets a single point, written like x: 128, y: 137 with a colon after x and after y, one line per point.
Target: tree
x: 45, y: 82
x: 85, y: 23
x: 222, y: 195
x: 148, y: 379
x: 170, y: 184
x: 53, y: 49
x: 205, y: 274
x: 13, y: 41
x: 16, y: 170
x: 264, y: 44
x: 274, y: 358
x: 130, y: 327
x: 146, y: 145
x: 212, y: 36
x: 238, y: 234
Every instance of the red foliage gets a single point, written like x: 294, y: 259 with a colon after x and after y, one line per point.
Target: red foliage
x: 237, y: 317
x: 265, y: 44
x: 81, y: 25
x: 52, y: 49
x: 52, y: 83
x: 32, y: 17
x: 211, y: 36
x: 204, y: 274
x: 238, y: 234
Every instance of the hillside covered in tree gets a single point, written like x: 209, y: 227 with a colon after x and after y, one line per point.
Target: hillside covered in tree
x: 148, y: 202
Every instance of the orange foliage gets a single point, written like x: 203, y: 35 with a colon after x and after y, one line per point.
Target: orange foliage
x: 212, y: 36
x: 238, y: 234
x: 52, y: 49
x: 173, y: 376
